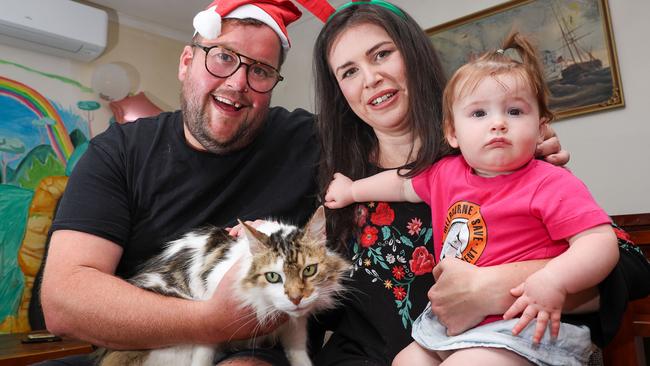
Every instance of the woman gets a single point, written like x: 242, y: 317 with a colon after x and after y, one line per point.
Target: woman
x: 379, y: 87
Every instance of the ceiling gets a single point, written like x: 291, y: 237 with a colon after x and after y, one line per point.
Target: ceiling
x: 173, y: 14
x: 169, y: 17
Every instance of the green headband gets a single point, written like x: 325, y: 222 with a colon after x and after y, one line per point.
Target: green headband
x: 381, y: 3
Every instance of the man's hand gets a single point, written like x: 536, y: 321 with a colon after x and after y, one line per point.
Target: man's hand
x: 550, y: 149
x: 339, y: 192
x: 455, y: 298
x: 235, y: 321
x: 238, y: 230
x: 541, y: 296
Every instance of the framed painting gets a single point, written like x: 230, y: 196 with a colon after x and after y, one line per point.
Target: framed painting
x: 574, y: 40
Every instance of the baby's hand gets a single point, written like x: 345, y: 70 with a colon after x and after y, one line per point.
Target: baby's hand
x: 339, y: 193
x: 541, y: 296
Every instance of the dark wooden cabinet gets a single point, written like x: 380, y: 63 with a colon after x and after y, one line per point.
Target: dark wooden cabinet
x: 629, y: 346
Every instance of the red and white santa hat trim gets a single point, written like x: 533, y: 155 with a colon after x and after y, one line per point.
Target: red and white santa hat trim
x: 277, y: 14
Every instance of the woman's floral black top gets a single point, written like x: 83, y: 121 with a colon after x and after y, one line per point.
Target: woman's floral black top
x: 393, y: 258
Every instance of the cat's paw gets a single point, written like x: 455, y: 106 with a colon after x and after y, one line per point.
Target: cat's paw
x: 298, y: 358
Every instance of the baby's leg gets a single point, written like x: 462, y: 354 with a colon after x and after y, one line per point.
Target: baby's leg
x: 485, y: 356
x: 414, y: 354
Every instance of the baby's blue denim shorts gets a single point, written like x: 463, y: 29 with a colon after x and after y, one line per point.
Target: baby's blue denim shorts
x: 572, y: 347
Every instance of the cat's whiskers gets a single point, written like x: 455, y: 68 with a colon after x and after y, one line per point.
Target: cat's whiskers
x: 270, y: 317
x: 243, y: 322
x: 337, y: 292
x: 255, y: 329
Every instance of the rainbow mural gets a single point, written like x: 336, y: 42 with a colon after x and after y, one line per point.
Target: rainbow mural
x: 41, y: 107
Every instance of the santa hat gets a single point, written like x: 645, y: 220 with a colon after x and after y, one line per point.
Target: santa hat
x: 277, y: 14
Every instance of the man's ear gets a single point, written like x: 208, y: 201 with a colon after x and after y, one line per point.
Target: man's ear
x: 450, y: 133
x: 185, y: 62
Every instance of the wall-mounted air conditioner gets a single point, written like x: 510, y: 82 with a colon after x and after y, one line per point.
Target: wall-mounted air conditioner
x: 58, y: 27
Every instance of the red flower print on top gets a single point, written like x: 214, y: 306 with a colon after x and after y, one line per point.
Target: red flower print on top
x: 621, y: 234
x: 383, y: 215
x: 414, y: 226
x: 369, y: 236
x: 360, y: 215
x: 399, y: 292
x: 398, y: 272
x: 422, y: 262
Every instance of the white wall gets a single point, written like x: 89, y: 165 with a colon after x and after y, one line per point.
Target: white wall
x: 610, y: 150
x: 151, y: 61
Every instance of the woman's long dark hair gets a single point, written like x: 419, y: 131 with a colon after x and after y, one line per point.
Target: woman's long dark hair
x: 349, y: 144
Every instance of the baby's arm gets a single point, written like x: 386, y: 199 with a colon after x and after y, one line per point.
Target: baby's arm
x: 592, y: 254
x: 385, y: 186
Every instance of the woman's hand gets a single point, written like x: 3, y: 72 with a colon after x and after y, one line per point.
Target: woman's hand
x: 550, y: 149
x: 455, y: 297
x: 464, y: 294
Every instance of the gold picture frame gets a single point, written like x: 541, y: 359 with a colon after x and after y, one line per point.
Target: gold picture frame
x: 574, y: 39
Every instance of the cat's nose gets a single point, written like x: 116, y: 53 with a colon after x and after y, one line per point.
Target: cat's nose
x: 296, y: 300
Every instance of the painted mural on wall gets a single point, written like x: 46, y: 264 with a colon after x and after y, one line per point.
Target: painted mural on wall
x: 42, y: 135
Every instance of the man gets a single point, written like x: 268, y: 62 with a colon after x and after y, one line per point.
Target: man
x: 225, y: 155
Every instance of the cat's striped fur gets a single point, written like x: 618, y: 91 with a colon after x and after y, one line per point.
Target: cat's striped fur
x: 283, y: 269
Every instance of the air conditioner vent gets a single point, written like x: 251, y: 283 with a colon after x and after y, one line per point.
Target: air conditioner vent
x: 59, y: 27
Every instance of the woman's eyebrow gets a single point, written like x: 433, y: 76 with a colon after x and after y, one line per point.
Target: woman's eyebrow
x: 368, y: 52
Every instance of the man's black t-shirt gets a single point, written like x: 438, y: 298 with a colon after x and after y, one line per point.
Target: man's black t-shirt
x: 141, y: 185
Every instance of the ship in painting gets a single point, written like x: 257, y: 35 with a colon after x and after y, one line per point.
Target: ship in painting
x: 575, y: 76
x: 580, y: 61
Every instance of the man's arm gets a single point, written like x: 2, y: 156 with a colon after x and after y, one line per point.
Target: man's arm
x: 82, y: 298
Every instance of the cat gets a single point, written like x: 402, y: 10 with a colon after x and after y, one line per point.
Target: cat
x: 283, y: 269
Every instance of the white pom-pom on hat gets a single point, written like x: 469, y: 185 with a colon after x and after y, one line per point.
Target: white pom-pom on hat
x: 277, y: 14
x: 208, y: 23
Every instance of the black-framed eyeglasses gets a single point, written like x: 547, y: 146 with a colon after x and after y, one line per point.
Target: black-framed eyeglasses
x: 222, y: 63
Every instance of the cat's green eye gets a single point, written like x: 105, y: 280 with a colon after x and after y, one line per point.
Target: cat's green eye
x: 273, y: 277
x: 310, y: 270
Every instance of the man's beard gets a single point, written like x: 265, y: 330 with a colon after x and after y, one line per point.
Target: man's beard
x: 196, y: 118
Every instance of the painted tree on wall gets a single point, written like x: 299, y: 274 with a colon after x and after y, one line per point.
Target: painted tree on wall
x: 10, y: 149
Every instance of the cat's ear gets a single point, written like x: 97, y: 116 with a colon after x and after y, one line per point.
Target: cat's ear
x: 256, y: 239
x: 315, y: 228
